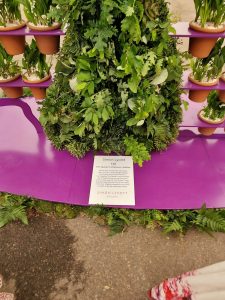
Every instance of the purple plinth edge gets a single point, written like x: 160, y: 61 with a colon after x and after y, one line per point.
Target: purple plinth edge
x: 20, y: 83
x: 188, y: 85
x: 190, y: 173
x: 182, y: 30
x: 26, y: 31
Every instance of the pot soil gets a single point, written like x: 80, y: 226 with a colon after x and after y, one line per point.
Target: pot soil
x: 13, y: 45
x: 39, y: 93
x: 201, y: 47
x: 200, y: 95
x: 47, y: 44
x: 209, y: 121
x: 206, y: 131
x: 12, y: 92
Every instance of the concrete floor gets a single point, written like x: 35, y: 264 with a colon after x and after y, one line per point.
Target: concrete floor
x: 78, y: 260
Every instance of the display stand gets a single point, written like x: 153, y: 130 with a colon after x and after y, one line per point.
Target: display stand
x: 190, y: 173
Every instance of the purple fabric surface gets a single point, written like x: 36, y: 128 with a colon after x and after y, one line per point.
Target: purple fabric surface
x: 188, y: 85
x: 182, y: 30
x: 190, y: 117
x: 26, y: 31
x: 20, y: 83
x: 190, y: 173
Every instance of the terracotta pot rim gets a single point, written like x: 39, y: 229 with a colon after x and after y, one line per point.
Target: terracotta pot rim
x: 12, y: 28
x: 47, y: 77
x: 44, y: 28
x: 209, y: 121
x: 212, y: 83
x: 10, y: 79
x: 196, y: 26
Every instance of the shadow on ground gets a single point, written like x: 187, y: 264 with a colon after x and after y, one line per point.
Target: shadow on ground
x: 35, y: 257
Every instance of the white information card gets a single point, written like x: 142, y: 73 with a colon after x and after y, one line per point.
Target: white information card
x: 112, y: 181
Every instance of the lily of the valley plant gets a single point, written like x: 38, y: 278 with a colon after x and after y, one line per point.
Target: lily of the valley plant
x: 8, y: 67
x: 9, y: 11
x: 215, y: 109
x: 210, y: 68
x: 36, y: 11
x: 212, y: 11
x: 34, y: 63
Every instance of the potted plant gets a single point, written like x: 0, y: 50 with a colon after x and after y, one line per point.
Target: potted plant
x: 210, y: 18
x: 213, y: 112
x: 222, y: 92
x: 10, y: 19
x: 9, y: 71
x: 39, y: 19
x: 35, y: 69
x: 206, y: 72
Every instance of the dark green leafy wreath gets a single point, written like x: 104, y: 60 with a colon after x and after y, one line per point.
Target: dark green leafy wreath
x: 117, y: 83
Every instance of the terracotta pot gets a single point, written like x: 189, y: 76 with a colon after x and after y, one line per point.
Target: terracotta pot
x: 46, y: 44
x: 39, y: 93
x: 206, y: 131
x: 201, y: 47
x: 12, y: 92
x: 222, y: 96
x: 222, y: 92
x: 200, y: 95
x: 13, y: 45
x: 201, y: 117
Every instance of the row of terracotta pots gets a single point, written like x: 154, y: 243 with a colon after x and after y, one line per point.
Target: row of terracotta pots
x: 39, y: 93
x: 202, y: 46
x: 201, y: 95
x: 15, y: 45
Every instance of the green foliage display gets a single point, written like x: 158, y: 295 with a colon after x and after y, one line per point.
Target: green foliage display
x: 210, y: 11
x: 21, y: 208
x: 117, y: 81
x: 8, y: 67
x: 215, y: 109
x: 36, y: 11
x: 9, y: 11
x: 211, y: 67
x: 34, y: 62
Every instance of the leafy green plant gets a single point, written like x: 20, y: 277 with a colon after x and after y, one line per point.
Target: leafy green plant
x: 36, y: 11
x: 12, y: 208
x: 210, y: 11
x: 8, y: 67
x: 117, y: 79
x: 210, y: 68
x: 34, y: 62
x: 21, y: 208
x: 10, y: 11
x: 215, y: 109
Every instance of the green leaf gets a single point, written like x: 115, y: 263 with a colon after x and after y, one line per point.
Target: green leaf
x: 95, y: 119
x: 132, y: 122
x: 161, y: 78
x: 132, y: 27
x: 133, y: 83
x: 140, y: 123
x: 80, y: 129
x: 105, y: 115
